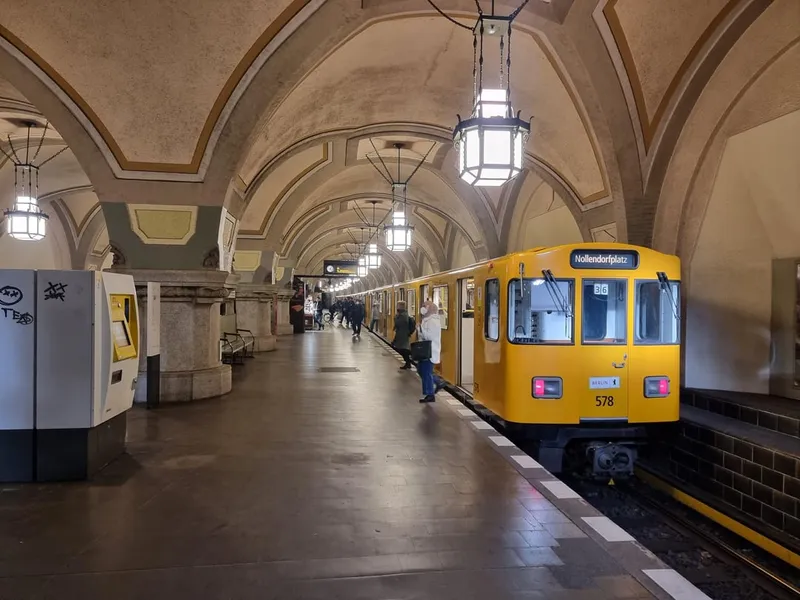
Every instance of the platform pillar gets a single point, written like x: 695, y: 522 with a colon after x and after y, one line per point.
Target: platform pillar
x: 283, y: 324
x: 254, y: 307
x: 191, y: 368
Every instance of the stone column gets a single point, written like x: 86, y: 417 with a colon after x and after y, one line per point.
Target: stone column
x: 283, y: 324
x: 254, y: 306
x: 191, y: 368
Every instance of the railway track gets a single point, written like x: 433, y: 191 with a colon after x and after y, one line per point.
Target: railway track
x: 719, y: 563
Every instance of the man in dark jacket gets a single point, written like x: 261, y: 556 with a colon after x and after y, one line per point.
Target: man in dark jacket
x: 404, y: 326
x: 357, y: 317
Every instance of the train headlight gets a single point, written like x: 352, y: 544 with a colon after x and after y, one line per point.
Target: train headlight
x: 656, y: 387
x: 547, y: 388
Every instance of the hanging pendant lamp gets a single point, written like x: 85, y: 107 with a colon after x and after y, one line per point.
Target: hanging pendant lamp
x: 26, y: 220
x: 490, y: 144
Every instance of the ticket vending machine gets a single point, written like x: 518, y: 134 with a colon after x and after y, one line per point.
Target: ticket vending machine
x: 72, y: 366
x: 17, y: 374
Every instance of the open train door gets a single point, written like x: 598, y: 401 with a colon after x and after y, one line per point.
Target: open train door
x: 466, y: 333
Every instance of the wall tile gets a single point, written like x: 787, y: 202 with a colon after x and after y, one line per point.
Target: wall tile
x: 762, y: 493
x: 733, y: 463
x: 724, y: 476
x: 772, y: 516
x: 724, y: 442
x: 732, y: 497
x: 751, y: 507
x: 785, y: 464
x: 763, y: 457
x: 743, y: 449
x: 772, y: 479
x: 751, y: 471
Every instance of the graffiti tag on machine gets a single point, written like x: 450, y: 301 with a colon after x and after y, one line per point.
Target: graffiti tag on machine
x: 55, y: 291
x: 23, y: 318
x: 10, y: 295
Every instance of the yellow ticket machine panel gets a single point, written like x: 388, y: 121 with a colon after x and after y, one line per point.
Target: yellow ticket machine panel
x: 124, y: 328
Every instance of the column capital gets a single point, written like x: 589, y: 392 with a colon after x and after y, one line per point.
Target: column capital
x: 185, y: 285
x: 263, y: 292
x: 284, y: 294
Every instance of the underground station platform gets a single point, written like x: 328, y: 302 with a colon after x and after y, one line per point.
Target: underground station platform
x: 320, y: 476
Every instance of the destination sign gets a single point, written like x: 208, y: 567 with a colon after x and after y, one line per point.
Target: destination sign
x: 340, y: 267
x: 604, y: 259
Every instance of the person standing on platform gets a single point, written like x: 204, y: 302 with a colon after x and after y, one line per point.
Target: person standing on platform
x: 356, y: 318
x: 376, y: 315
x: 404, y: 327
x: 346, y: 309
x: 430, y: 329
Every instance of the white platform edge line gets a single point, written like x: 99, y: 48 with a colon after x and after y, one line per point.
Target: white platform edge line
x: 452, y: 401
x: 608, y: 530
x: 465, y: 412
x: 674, y: 584
x: 502, y: 441
x: 526, y: 462
x: 560, y: 490
x: 481, y: 425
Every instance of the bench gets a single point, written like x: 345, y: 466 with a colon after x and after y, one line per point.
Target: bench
x: 237, y: 344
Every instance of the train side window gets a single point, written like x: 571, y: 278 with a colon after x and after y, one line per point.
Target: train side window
x: 540, y: 312
x: 656, y: 319
x: 491, y: 325
x: 605, y: 310
x: 440, y: 297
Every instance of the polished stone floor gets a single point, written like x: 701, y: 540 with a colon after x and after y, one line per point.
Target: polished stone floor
x: 311, y: 480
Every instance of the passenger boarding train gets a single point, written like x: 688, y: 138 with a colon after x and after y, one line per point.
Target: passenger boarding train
x: 575, y: 348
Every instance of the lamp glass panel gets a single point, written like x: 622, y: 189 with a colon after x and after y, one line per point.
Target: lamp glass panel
x: 473, y: 142
x: 497, y: 146
x: 518, y: 150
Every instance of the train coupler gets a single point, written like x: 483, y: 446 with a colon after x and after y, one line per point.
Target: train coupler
x: 611, y: 460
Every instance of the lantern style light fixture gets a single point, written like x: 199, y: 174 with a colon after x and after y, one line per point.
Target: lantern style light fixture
x: 491, y: 142
x: 374, y: 258
x: 398, y: 231
x: 362, y: 266
x: 26, y: 220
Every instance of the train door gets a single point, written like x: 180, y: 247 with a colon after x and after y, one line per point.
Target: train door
x: 411, y: 304
x: 604, y: 328
x: 466, y: 333
x: 385, y: 308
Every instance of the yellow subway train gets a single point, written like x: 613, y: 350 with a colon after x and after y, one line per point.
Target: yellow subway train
x: 576, y: 348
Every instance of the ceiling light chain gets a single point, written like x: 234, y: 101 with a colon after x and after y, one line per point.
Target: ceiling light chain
x: 491, y: 142
x: 399, y: 231
x: 26, y: 220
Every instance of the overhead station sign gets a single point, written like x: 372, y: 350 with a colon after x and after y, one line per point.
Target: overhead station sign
x: 604, y: 259
x: 340, y: 267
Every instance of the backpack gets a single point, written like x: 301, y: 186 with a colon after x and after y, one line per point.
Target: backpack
x: 412, y: 325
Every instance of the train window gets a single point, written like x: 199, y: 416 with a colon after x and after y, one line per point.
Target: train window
x: 440, y: 297
x: 491, y: 326
x: 656, y: 318
x: 540, y: 312
x: 604, y: 311
x: 412, y: 302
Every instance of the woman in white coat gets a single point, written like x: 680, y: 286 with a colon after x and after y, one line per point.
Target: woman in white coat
x: 430, y: 329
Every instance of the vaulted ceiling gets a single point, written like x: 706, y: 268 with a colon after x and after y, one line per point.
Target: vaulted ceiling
x: 272, y: 108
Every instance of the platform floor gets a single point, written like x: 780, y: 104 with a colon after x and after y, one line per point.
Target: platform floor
x: 311, y: 481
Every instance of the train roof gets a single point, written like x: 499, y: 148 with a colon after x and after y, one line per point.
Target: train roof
x: 524, y: 253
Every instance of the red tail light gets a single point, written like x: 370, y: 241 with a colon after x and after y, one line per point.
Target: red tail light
x: 547, y: 388
x: 656, y: 387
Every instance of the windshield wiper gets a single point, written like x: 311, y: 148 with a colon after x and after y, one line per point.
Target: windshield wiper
x: 666, y: 287
x: 556, y: 295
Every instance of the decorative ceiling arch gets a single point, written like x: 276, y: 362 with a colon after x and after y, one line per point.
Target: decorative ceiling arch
x: 344, y: 222
x: 333, y: 242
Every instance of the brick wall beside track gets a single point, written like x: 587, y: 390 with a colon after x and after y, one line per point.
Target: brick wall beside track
x: 739, y: 466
